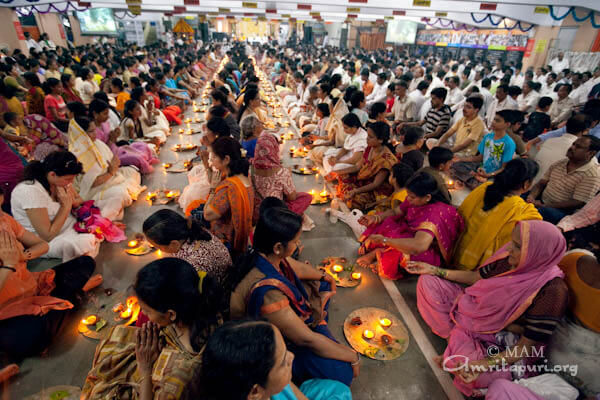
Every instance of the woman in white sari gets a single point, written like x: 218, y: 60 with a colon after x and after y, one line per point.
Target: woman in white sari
x: 136, y: 125
x: 102, y: 178
x: 153, y: 121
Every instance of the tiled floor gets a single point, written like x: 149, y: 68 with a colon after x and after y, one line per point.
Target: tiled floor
x: 408, y: 377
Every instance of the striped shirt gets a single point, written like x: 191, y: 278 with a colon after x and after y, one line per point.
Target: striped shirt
x: 546, y: 310
x: 436, y: 118
x: 581, y: 184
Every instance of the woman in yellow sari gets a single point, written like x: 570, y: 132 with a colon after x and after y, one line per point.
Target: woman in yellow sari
x: 367, y: 181
x: 102, y: 177
x: 491, y: 212
x: 230, y: 203
x: 157, y: 360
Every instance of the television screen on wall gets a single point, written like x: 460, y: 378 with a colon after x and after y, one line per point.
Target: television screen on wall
x: 401, y: 31
x: 97, y: 21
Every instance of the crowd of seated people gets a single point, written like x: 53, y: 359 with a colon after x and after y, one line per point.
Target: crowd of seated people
x: 81, y: 127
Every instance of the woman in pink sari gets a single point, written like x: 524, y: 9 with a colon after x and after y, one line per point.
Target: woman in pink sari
x: 501, y: 321
x: 423, y: 228
x: 271, y: 179
x: 138, y: 154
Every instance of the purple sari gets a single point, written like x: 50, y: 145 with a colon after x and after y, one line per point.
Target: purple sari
x: 474, y: 318
x: 440, y: 220
x: 138, y: 154
x: 11, y: 169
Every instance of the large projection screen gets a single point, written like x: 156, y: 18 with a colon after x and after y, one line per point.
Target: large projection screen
x: 401, y: 32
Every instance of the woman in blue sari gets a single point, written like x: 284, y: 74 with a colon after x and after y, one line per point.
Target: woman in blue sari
x: 293, y: 296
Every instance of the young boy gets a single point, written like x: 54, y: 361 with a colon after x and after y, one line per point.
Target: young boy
x: 440, y: 161
x: 121, y: 95
x: 494, y: 151
x: 410, y: 151
x: 539, y: 121
x: 515, y: 131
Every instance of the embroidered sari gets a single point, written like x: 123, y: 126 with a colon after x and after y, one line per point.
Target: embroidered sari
x: 46, y: 136
x: 475, y: 317
x: 114, y: 373
x: 310, y: 302
x: 369, y: 170
x: 234, y: 203
x: 487, y: 231
x: 440, y: 220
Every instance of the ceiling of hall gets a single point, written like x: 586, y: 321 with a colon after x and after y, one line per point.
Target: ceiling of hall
x: 463, y: 11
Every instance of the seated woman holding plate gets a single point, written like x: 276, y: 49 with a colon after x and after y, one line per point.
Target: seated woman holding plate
x: 423, y: 228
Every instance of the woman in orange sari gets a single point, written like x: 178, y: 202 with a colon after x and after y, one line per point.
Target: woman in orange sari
x: 230, y: 203
x: 367, y: 182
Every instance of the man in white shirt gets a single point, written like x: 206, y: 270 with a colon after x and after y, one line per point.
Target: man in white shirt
x: 455, y: 95
x: 579, y: 94
x: 379, y: 93
x: 548, y: 89
x: 502, y: 102
x: 418, y: 77
x: 46, y: 43
x: 560, y: 63
x: 528, y: 99
x: 417, y: 96
x: 403, y: 109
x: 562, y: 107
x: 475, y: 82
x: 555, y: 149
x: 31, y: 43
x: 488, y: 97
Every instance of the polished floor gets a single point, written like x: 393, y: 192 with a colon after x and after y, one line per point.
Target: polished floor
x: 409, y: 377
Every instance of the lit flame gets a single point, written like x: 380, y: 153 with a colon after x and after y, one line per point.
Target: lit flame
x: 89, y: 320
x: 337, y: 268
x: 356, y: 275
x: 323, y: 193
x: 132, y: 243
x: 367, y: 334
x: 385, y: 322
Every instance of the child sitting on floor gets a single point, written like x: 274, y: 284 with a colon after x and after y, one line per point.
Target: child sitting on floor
x: 401, y: 173
x: 323, y: 114
x: 440, y: 161
x: 12, y: 133
x: 494, y: 151
x: 409, y: 152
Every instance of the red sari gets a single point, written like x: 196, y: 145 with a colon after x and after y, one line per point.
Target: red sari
x: 440, y: 220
